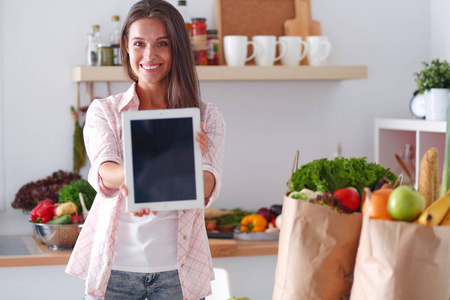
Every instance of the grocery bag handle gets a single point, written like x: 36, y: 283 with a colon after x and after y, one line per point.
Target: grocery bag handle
x: 294, y: 168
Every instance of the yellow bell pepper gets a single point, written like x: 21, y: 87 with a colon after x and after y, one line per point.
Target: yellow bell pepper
x: 254, y: 223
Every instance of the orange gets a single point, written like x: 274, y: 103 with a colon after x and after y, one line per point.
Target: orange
x: 376, y: 208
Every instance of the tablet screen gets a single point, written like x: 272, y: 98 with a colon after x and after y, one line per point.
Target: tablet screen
x: 163, y: 160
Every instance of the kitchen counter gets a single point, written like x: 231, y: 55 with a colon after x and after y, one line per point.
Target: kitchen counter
x: 37, y: 254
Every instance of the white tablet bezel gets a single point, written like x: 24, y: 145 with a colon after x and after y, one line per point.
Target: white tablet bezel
x: 127, y: 117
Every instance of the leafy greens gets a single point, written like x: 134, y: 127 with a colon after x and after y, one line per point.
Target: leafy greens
x: 71, y: 193
x: 330, y: 175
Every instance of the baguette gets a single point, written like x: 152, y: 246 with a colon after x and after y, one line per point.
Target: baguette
x: 428, y: 184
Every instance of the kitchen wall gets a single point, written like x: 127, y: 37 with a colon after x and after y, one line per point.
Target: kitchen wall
x: 41, y: 41
x: 440, y: 29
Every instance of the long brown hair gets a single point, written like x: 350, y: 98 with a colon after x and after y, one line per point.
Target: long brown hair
x: 182, y: 89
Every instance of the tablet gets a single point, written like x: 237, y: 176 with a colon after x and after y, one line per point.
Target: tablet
x: 163, y: 161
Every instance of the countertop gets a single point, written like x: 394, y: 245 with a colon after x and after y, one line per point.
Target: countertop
x: 39, y: 255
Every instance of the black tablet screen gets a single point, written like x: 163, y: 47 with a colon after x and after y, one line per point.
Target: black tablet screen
x: 163, y: 160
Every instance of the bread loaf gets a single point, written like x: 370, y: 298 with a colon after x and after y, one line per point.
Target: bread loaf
x: 428, y: 184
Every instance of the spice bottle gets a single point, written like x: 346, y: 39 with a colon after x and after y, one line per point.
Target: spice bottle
x: 114, y: 39
x: 92, y: 49
x: 185, y: 13
x: 199, y: 40
x: 213, y: 47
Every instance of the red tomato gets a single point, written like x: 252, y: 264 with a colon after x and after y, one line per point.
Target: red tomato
x: 348, y: 197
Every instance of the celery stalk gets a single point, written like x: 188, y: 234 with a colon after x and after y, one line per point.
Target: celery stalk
x: 445, y: 186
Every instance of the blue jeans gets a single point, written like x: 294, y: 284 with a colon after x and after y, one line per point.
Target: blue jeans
x: 143, y: 286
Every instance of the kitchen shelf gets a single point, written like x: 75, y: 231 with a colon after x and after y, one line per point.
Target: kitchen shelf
x: 391, y: 135
x: 224, y: 73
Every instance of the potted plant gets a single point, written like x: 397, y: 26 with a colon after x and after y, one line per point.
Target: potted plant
x: 434, y: 82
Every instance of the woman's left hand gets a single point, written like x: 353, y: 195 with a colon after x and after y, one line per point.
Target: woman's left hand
x: 202, y: 139
x: 141, y: 212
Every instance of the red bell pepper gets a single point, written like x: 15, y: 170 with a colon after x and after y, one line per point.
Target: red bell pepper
x: 43, y: 212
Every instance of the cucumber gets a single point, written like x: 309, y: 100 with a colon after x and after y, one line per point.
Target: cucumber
x: 64, y: 219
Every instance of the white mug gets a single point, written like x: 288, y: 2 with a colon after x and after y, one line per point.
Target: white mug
x: 319, y: 49
x: 235, y: 49
x: 267, y: 46
x: 294, y: 53
x: 436, y: 104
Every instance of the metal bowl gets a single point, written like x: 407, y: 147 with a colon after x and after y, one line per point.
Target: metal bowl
x: 58, y: 237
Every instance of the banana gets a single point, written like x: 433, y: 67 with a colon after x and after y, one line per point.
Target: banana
x: 434, y: 214
x: 446, y: 220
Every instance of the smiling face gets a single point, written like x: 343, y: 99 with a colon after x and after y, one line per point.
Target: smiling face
x: 150, y: 51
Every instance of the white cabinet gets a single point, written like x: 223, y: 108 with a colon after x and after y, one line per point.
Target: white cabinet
x: 391, y: 135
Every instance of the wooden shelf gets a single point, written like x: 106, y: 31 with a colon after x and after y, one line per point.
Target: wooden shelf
x: 224, y: 73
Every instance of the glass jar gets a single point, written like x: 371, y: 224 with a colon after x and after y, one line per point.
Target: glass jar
x: 199, y: 40
x: 106, y: 55
x: 213, y: 47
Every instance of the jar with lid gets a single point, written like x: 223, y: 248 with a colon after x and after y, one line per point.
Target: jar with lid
x: 213, y: 47
x: 199, y: 40
x: 92, y: 48
x: 105, y: 55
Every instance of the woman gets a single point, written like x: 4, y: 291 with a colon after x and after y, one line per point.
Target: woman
x: 159, y: 255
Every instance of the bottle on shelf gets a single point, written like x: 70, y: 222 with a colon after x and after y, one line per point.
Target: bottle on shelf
x: 115, y: 38
x: 92, y: 49
x: 406, y: 167
x: 186, y: 14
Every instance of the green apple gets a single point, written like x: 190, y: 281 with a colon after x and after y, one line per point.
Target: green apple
x: 405, y: 203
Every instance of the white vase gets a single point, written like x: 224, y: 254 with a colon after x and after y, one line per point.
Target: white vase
x: 436, y: 104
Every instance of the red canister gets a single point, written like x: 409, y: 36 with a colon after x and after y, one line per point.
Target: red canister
x: 199, y: 41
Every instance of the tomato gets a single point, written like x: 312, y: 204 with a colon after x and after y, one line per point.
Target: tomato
x: 348, y: 198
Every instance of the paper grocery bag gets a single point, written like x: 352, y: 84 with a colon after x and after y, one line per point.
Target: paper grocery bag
x: 402, y: 261
x: 316, y: 252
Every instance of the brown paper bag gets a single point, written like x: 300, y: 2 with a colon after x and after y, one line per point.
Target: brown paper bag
x: 316, y: 252
x: 402, y: 261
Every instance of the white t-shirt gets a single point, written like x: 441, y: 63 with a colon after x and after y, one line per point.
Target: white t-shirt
x: 146, y: 244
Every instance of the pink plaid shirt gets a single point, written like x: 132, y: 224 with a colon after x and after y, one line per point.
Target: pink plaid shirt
x: 93, y: 253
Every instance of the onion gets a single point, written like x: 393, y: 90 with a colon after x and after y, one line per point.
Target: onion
x: 265, y: 212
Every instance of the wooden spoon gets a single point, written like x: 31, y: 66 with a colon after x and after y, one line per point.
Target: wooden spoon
x: 83, y: 206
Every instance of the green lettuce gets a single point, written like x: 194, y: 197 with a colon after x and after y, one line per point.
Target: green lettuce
x: 71, y: 192
x: 326, y: 175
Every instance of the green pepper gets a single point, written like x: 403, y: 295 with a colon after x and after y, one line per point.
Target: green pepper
x: 64, y: 219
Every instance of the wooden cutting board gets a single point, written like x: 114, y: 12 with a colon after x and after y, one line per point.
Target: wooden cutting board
x: 259, y: 17
x: 251, y: 17
x: 302, y: 25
